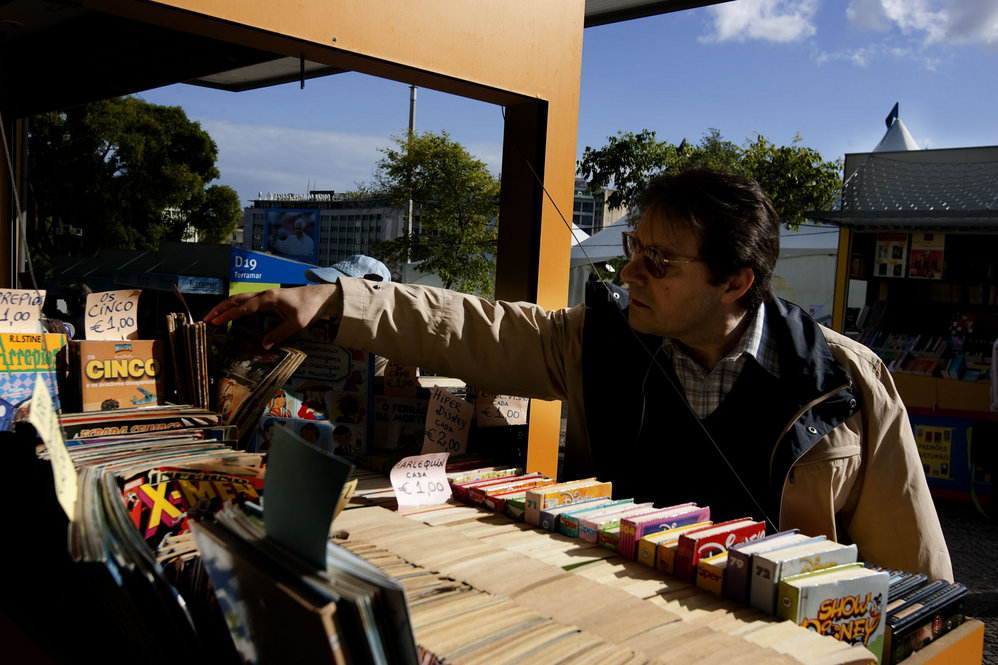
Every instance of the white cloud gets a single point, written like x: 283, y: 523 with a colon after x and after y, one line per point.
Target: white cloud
x: 261, y: 158
x: 870, y: 55
x: 950, y: 22
x: 767, y: 20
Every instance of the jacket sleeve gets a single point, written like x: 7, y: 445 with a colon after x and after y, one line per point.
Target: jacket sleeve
x: 504, y: 347
x: 889, y: 513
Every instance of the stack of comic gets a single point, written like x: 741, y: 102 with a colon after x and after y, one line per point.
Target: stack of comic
x: 189, y: 351
x: 247, y: 376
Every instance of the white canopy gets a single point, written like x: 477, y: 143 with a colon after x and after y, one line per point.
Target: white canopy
x: 601, y: 246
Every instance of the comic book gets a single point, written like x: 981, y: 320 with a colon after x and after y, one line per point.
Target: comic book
x: 247, y: 377
x: 845, y: 601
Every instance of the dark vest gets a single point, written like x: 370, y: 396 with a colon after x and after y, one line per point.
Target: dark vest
x: 645, y: 439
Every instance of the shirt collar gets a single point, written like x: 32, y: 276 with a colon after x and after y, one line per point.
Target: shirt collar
x: 756, y: 342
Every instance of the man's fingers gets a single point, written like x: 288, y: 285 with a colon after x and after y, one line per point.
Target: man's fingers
x: 235, y: 307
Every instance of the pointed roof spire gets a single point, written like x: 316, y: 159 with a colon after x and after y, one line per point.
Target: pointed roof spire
x: 897, y: 137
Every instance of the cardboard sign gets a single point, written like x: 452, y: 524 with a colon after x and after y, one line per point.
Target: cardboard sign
x: 448, y: 419
x: 112, y: 315
x: 500, y: 410
x: 421, y: 480
x: 400, y: 380
x: 20, y: 310
x: 42, y: 416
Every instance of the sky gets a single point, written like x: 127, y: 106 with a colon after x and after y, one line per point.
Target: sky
x: 828, y: 71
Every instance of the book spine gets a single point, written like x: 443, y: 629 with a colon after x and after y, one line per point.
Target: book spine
x: 736, y: 575
x: 762, y: 585
x: 665, y: 557
x: 627, y: 546
x: 609, y: 537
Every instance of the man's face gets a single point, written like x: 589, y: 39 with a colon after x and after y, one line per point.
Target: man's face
x: 682, y: 305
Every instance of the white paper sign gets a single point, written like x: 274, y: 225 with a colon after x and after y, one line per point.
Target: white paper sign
x: 500, y: 410
x: 421, y: 480
x: 42, y: 416
x: 20, y: 310
x: 448, y: 419
x: 112, y: 315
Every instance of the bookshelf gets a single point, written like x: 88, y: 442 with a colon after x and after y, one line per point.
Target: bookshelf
x: 933, y: 321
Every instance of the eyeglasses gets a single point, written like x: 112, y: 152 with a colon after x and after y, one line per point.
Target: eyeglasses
x: 656, y: 262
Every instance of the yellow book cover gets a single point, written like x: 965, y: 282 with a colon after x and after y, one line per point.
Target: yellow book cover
x: 648, y: 545
x: 114, y: 374
x: 561, y: 494
x: 710, y: 572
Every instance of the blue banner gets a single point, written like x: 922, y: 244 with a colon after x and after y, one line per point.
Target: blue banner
x: 258, y: 267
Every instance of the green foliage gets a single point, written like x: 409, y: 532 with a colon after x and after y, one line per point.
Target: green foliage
x: 455, y: 203
x: 127, y: 173
x: 796, y: 178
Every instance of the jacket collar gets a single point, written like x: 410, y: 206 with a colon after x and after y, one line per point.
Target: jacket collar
x: 804, y: 355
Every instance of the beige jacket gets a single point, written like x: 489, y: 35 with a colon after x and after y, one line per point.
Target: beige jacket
x: 862, y: 483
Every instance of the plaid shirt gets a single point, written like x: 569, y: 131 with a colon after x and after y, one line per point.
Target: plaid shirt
x: 706, y: 390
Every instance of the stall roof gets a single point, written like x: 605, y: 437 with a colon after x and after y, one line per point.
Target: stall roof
x: 125, y: 56
x: 948, y: 190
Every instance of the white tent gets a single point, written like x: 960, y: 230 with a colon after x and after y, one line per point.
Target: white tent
x: 596, y: 250
x: 897, y: 137
x: 805, y: 272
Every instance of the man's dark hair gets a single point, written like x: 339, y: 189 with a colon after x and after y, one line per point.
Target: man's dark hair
x: 731, y: 217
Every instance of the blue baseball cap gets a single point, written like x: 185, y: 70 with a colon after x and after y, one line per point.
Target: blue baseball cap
x: 357, y: 265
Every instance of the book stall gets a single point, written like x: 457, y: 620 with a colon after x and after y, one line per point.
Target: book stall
x: 917, y: 284
x: 189, y: 524
x: 193, y: 497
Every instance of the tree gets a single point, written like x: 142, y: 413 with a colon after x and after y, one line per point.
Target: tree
x: 796, y: 178
x: 455, y: 203
x: 125, y: 174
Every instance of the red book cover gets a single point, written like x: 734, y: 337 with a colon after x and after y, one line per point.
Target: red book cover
x: 692, y: 546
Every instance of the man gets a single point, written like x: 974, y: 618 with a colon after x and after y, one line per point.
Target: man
x: 694, y: 385
x: 300, y: 244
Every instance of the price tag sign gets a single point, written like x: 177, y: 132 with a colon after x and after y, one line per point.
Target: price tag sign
x: 43, y: 417
x: 500, y: 410
x: 112, y: 315
x: 448, y: 419
x: 421, y: 480
x: 20, y: 310
x: 400, y: 380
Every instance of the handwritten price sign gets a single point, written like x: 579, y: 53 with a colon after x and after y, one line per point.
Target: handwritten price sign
x: 400, y: 380
x: 20, y: 310
x: 448, y: 419
x: 46, y: 422
x: 421, y: 480
x: 112, y: 314
x: 500, y: 410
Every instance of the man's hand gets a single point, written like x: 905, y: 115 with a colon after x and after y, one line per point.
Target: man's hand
x: 297, y: 307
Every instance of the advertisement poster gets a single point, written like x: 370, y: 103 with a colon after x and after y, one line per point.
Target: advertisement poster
x: 892, y: 249
x: 934, y: 447
x: 926, y: 256
x: 293, y: 234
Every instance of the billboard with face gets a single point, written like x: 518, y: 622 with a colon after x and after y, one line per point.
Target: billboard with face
x: 292, y: 233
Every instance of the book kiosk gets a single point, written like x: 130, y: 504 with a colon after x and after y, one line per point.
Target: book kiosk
x: 916, y: 282
x: 472, y: 48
